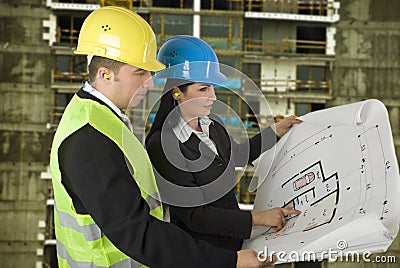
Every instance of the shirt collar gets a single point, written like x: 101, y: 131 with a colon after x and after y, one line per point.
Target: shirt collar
x: 183, y: 131
x: 94, y: 92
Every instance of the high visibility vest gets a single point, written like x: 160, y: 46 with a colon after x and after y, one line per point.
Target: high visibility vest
x: 80, y: 242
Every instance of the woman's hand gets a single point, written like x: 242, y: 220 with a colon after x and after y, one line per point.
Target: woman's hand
x: 275, y: 218
x: 285, y: 124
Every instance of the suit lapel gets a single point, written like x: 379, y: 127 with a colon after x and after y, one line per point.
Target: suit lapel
x: 193, y: 144
x: 215, y: 136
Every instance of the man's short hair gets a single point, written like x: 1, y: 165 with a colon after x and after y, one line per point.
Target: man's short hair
x: 98, y: 62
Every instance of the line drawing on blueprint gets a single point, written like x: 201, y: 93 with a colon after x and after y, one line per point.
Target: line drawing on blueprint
x: 340, y: 170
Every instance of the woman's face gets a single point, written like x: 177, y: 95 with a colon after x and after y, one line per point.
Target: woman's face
x: 196, y: 101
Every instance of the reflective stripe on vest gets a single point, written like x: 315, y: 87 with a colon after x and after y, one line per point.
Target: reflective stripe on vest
x: 91, y: 232
x: 79, y: 239
x: 63, y: 253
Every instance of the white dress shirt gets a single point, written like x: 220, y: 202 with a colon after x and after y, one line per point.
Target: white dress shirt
x: 183, y: 132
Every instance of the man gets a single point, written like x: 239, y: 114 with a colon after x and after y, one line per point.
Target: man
x: 106, y: 211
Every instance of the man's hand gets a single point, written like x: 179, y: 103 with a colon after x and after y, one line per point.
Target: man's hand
x: 274, y: 218
x: 248, y: 258
x: 285, y: 124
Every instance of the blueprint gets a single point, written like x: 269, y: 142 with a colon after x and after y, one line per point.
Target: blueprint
x: 340, y: 170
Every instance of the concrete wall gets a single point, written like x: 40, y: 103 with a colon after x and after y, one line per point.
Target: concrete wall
x: 25, y: 100
x: 368, y: 56
x: 368, y: 66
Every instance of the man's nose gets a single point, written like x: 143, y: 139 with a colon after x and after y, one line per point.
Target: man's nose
x: 149, y: 80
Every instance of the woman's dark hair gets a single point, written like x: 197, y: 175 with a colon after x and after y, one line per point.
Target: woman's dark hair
x: 167, y: 105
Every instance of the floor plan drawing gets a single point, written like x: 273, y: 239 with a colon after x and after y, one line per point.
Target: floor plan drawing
x: 340, y: 170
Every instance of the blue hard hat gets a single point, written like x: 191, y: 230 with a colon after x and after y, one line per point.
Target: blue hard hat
x: 189, y: 58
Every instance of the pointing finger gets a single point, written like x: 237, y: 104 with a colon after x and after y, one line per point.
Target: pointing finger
x: 287, y: 211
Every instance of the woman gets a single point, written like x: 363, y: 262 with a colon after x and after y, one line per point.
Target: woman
x: 191, y: 148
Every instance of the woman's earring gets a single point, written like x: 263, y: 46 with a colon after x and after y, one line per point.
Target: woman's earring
x: 176, y: 94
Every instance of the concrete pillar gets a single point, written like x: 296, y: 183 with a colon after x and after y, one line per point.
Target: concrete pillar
x: 196, y: 18
x: 394, y: 117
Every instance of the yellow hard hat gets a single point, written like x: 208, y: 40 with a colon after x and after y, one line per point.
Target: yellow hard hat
x: 119, y: 34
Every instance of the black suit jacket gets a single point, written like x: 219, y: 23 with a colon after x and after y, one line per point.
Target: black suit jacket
x: 219, y: 222
x: 95, y: 174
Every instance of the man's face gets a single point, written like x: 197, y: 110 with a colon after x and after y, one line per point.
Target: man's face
x: 130, y: 86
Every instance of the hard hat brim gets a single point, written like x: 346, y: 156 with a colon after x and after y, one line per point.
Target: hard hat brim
x: 201, y: 72
x: 153, y: 66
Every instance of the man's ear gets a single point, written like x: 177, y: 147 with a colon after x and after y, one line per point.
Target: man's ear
x: 105, y: 74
